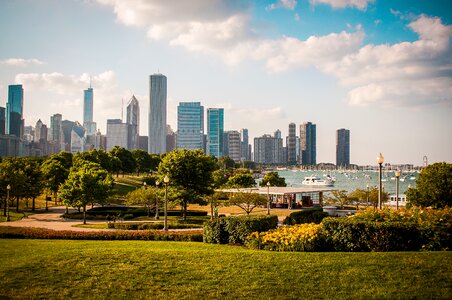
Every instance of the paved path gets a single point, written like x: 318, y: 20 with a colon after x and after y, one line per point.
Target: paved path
x: 51, y: 220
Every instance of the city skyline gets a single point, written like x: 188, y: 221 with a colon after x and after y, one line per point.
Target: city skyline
x: 267, y: 63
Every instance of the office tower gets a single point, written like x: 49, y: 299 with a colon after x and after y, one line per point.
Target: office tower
x: 14, y: 110
x: 29, y: 133
x: 291, y: 145
x: 133, y: 118
x: 308, y: 142
x: 234, y: 145
x: 40, y: 131
x: 56, y: 131
x: 190, y: 126
x: 77, y: 138
x: 245, y: 147
x: 268, y: 149
x: 88, y: 122
x: 277, y: 134
x: 343, y: 147
x: 2, y: 120
x: 157, y: 114
x: 118, y: 134
x: 170, y: 139
x: 143, y: 143
x: 215, y: 127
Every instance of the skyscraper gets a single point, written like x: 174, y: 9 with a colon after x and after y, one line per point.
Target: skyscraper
x: 245, y: 147
x: 343, y: 147
x: 157, y: 114
x: 215, y: 128
x: 190, y: 126
x: 2, y: 120
x: 133, y: 118
x: 268, y: 149
x: 56, y: 131
x: 117, y: 134
x: 291, y: 145
x: 14, y: 110
x: 308, y: 141
x: 234, y: 145
x: 88, y: 122
x: 77, y: 138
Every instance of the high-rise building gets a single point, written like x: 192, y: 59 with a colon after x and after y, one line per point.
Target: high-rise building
x: 308, y: 141
x: 215, y: 128
x: 77, y: 138
x: 170, y: 139
x: 40, y: 131
x: 343, y: 147
x: 14, y: 110
x: 133, y: 118
x: 234, y: 145
x: 245, y: 147
x: 190, y: 125
x: 268, y: 149
x: 291, y: 145
x: 88, y: 122
x: 56, y: 131
x: 157, y: 114
x: 118, y: 134
x: 67, y: 130
x: 2, y: 120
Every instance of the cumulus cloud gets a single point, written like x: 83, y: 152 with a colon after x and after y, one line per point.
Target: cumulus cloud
x: 359, y: 4
x: 288, y: 4
x: 20, y: 62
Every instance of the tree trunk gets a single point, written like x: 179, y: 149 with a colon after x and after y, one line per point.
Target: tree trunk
x: 17, y: 204
x: 33, y: 204
x: 185, y: 210
x: 55, y: 197
x: 84, y: 214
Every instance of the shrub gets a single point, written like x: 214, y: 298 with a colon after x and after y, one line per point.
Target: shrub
x: 149, y: 226
x: 149, y: 235
x: 302, y: 237
x: 234, y: 230
x: 312, y: 215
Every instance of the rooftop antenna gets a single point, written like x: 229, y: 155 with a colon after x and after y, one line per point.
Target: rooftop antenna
x: 90, y: 81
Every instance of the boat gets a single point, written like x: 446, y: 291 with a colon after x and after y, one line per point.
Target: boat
x: 317, y: 181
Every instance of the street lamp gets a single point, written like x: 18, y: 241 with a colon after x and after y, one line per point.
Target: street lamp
x: 144, y: 185
x: 157, y: 183
x: 268, y: 197
x: 380, y: 160
x: 8, y: 188
x: 397, y: 175
x: 165, y: 222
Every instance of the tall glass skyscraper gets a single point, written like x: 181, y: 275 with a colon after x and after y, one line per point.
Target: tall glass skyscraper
x: 157, y: 114
x: 2, y: 120
x: 133, y: 119
x: 291, y: 145
x: 190, y: 126
x: 14, y: 110
x: 215, y: 129
x: 88, y: 122
x: 308, y: 141
x: 343, y: 147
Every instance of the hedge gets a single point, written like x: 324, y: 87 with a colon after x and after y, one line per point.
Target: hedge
x: 148, y: 235
x: 310, y: 215
x: 234, y: 230
x: 149, y: 226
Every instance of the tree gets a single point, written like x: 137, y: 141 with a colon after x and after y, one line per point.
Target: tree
x: 86, y: 183
x: 34, y: 184
x: 55, y: 173
x: 219, y: 178
x: 12, y: 173
x: 274, y: 179
x: 340, y: 197
x: 360, y: 196
x: 190, y: 172
x: 128, y: 163
x: 433, y: 187
x: 226, y: 163
x: 241, y: 181
x: 143, y: 161
x: 247, y: 200
x: 147, y: 197
x: 100, y: 157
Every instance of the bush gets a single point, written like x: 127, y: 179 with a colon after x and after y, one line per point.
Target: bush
x: 149, y: 226
x: 234, y: 230
x: 148, y: 235
x: 312, y: 215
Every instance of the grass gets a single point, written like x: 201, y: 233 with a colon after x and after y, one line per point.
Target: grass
x: 170, y: 270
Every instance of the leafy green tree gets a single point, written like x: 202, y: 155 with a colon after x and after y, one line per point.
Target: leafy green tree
x: 100, y: 157
x: 143, y: 161
x: 247, y: 201
x: 433, y: 187
x: 241, y: 181
x: 147, y: 197
x: 65, y: 158
x: 190, y: 172
x: 219, y: 178
x: 34, y: 184
x: 226, y: 163
x: 274, y: 179
x: 340, y: 197
x: 55, y: 173
x: 87, y: 183
x: 12, y: 173
x: 128, y: 163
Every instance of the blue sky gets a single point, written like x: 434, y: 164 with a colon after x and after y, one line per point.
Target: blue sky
x: 382, y: 69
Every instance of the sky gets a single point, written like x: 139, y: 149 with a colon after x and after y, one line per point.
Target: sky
x: 382, y: 69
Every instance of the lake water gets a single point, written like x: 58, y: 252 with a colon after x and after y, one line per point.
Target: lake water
x: 351, y: 180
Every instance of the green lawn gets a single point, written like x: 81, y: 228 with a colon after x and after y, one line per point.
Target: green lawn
x: 174, y: 270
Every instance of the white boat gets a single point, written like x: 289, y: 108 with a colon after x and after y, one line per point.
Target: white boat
x: 317, y: 181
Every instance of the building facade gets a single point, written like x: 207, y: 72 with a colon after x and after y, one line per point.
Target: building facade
x: 157, y: 114
x: 133, y: 119
x: 2, y: 120
x: 343, y: 147
x: 234, y: 145
x: 56, y: 131
x: 118, y: 134
x: 215, y: 129
x: 268, y: 149
x: 77, y: 138
x: 291, y: 144
x: 190, y: 126
x: 14, y: 110
x: 245, y: 147
x: 308, y: 144
x: 88, y: 122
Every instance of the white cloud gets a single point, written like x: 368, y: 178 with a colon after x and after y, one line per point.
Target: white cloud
x: 359, y: 4
x: 20, y: 62
x: 287, y: 4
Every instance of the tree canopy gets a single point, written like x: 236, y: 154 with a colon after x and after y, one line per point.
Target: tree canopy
x: 274, y: 179
x: 247, y: 201
x: 241, y: 181
x: 433, y: 187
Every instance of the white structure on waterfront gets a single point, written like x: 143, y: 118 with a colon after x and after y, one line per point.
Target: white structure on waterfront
x: 157, y: 114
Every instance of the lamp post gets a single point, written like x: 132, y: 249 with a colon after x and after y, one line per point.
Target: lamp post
x: 144, y: 185
x: 157, y: 183
x: 165, y: 222
x: 8, y: 188
x: 380, y: 161
x: 397, y: 175
x: 268, y: 197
